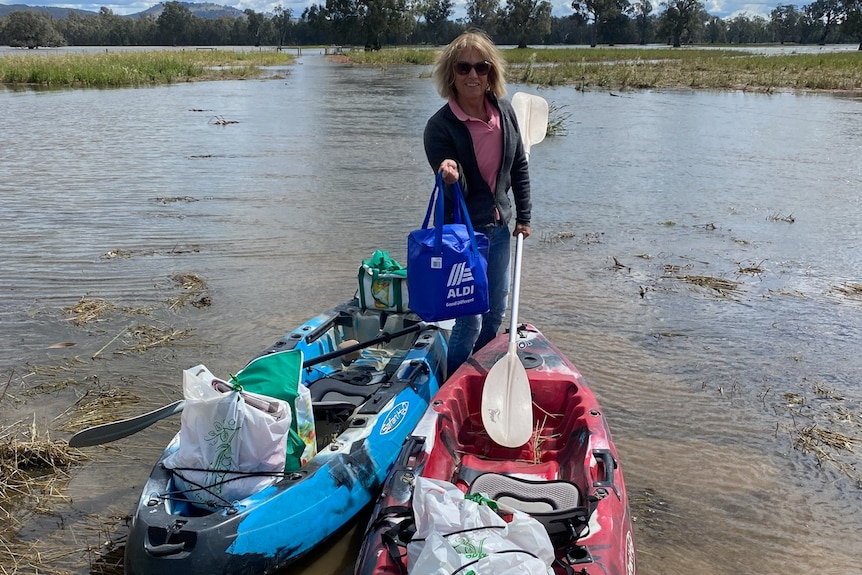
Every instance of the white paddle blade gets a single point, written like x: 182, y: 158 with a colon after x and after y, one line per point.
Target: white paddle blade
x: 507, y: 405
x: 532, y: 113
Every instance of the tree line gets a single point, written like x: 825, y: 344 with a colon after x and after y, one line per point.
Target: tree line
x: 375, y: 23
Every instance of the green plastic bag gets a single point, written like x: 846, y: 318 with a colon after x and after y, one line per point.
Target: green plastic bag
x: 383, y: 283
x: 278, y: 375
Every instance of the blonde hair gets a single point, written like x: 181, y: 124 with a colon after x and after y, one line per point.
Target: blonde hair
x: 444, y: 64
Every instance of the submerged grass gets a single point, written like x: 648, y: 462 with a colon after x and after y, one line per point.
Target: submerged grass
x: 97, y: 407
x: 638, y: 68
x: 119, y: 69
x: 34, y: 471
x: 827, y: 426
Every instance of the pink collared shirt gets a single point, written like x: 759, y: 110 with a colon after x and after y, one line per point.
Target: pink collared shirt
x: 487, y: 140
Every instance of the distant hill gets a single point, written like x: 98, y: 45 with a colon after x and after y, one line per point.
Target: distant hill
x: 201, y: 10
x: 53, y: 11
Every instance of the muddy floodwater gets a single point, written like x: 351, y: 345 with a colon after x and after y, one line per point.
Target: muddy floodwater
x: 696, y: 254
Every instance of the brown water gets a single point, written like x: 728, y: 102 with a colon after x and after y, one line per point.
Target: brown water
x: 324, y: 166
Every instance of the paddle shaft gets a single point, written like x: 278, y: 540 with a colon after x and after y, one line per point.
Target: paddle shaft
x: 507, y: 405
x: 115, y: 430
x: 385, y: 337
x: 516, y: 292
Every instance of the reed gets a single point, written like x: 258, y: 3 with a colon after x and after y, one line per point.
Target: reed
x: 701, y: 69
x: 395, y: 56
x: 639, y: 68
x: 107, y: 70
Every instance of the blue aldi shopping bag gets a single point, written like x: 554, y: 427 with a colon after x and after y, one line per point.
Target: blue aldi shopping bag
x: 447, y: 267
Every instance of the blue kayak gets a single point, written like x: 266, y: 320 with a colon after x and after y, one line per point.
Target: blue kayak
x: 371, y: 375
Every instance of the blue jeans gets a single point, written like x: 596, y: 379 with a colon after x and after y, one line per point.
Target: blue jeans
x: 474, y: 331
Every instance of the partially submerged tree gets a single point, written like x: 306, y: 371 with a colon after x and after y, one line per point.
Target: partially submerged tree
x: 642, y: 10
x: 852, y: 24
x: 827, y: 12
x: 282, y: 23
x: 680, y: 18
x: 784, y: 19
x: 527, y: 19
x: 600, y: 12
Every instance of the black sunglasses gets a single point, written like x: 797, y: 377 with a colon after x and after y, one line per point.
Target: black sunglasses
x: 463, y: 68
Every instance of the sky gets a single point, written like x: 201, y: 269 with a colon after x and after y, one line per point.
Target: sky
x: 720, y: 8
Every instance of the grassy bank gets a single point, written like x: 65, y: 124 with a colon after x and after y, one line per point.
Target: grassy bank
x: 637, y: 68
x: 107, y: 70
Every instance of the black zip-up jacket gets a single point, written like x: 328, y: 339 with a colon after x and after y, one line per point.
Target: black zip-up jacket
x: 447, y: 137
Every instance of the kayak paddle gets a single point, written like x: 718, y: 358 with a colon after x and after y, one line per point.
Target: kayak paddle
x: 507, y: 403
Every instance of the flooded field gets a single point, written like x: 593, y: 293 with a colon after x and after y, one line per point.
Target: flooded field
x: 694, y: 253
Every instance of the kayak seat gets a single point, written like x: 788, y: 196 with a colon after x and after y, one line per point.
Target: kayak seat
x: 555, y: 504
x: 344, y: 390
x: 472, y: 467
x: 369, y: 324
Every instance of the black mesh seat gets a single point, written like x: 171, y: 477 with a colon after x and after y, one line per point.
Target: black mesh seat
x: 556, y: 504
x: 346, y: 389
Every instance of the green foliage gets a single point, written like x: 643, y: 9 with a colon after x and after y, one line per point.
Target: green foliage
x: 174, y: 23
x: 682, y: 18
x: 26, y: 29
x: 484, y: 14
x: 526, y: 20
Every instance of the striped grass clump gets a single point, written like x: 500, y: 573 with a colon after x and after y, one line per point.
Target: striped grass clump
x: 108, y: 70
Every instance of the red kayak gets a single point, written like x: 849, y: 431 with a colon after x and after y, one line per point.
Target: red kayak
x: 567, y: 475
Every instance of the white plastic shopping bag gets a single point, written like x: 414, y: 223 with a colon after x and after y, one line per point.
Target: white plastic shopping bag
x: 479, y: 552
x: 452, y: 532
x: 232, y: 444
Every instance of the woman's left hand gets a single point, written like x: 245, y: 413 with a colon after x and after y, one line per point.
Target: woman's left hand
x: 522, y: 229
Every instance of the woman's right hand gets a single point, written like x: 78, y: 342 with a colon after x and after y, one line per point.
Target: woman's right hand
x: 449, y: 169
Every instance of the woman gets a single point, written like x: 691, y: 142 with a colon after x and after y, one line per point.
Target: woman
x: 474, y: 139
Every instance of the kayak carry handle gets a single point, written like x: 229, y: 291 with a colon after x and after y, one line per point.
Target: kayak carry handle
x: 609, y: 465
x: 164, y: 550
x: 417, y: 368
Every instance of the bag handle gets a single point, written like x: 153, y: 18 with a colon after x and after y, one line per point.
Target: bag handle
x: 436, y: 201
x: 431, y: 203
x: 467, y: 221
